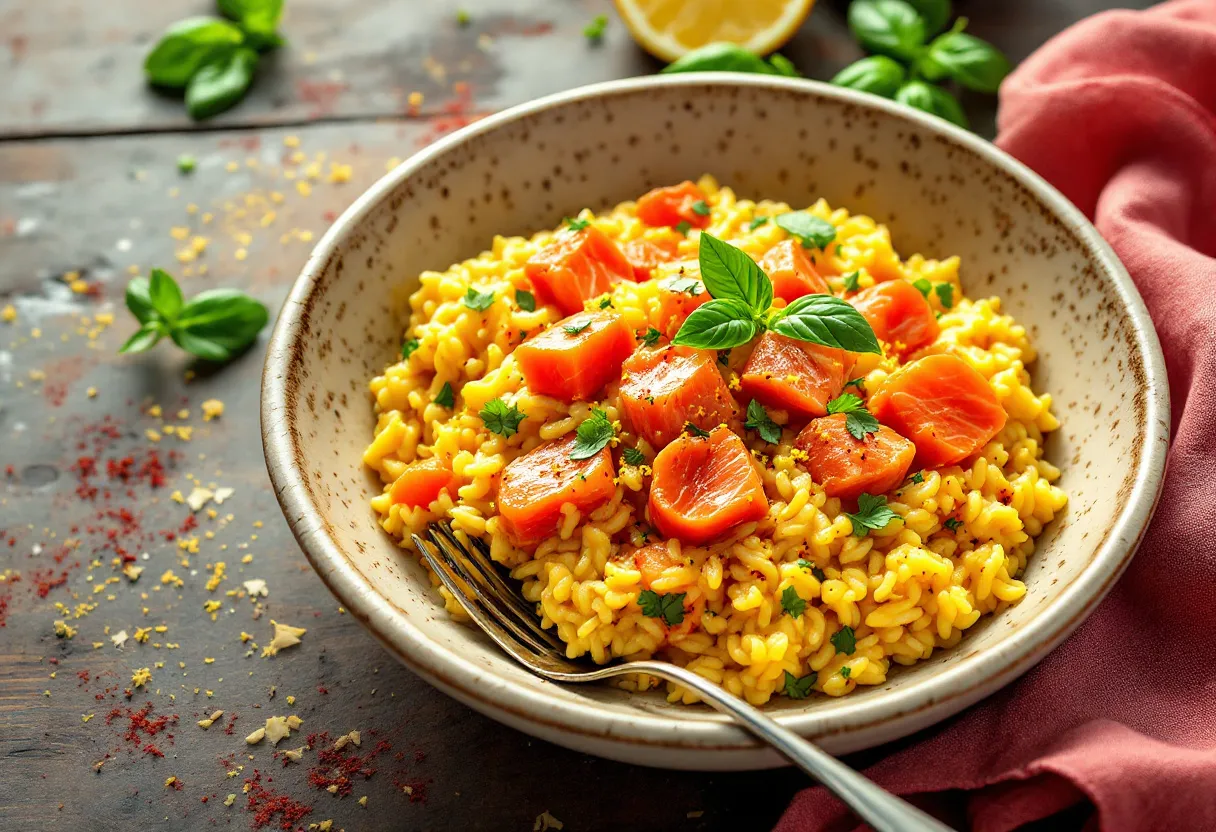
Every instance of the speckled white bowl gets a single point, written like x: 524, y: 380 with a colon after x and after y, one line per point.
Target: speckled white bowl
x: 942, y: 191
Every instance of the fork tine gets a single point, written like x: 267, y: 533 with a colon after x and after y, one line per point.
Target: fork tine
x: 479, y: 561
x: 524, y: 629
x: 471, y: 604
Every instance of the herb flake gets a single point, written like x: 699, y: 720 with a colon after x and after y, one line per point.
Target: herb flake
x: 575, y: 329
x: 799, y: 687
x: 525, y: 300
x: 851, y: 282
x: 858, y: 421
x: 809, y: 229
x: 633, y: 456
x: 759, y: 421
x: 845, y: 641
x: 669, y: 607
x: 792, y: 602
x: 593, y: 435
x: 873, y: 514
x: 693, y: 430
x: 409, y: 347
x: 945, y: 294
x: 446, y: 398
x: 478, y: 301
x: 501, y: 418
x: 651, y: 337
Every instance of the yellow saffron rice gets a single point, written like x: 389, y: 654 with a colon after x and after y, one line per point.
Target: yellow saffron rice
x: 911, y: 588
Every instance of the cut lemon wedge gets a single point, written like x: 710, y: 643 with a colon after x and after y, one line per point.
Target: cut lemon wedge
x: 669, y: 29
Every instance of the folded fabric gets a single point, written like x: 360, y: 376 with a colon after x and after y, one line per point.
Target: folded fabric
x: 1119, y: 113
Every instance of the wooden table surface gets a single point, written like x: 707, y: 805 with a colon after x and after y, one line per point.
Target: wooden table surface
x: 90, y: 193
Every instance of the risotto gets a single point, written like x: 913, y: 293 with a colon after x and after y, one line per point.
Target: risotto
x: 749, y: 439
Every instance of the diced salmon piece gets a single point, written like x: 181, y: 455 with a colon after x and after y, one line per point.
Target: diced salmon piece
x: 536, y: 485
x: 673, y: 205
x: 576, y: 267
x: 899, y: 314
x: 678, y: 298
x: 846, y: 466
x: 573, y: 359
x: 421, y: 482
x: 644, y: 255
x: 795, y: 376
x: 664, y: 389
x: 943, y: 405
x: 704, y: 487
x: 652, y: 560
x: 791, y: 271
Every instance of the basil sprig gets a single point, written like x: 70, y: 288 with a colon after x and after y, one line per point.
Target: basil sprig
x: 906, y: 68
x: 730, y: 57
x: 741, y: 308
x: 212, y: 59
x: 214, y: 325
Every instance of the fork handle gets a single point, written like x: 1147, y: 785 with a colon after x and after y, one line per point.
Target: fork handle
x: 881, y: 809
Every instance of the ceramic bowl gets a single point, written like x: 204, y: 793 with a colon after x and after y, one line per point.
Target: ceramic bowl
x: 941, y: 190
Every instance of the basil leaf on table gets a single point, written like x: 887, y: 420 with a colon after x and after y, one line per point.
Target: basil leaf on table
x: 145, y: 338
x: 186, y: 46
x: 812, y: 231
x: 827, y: 321
x: 260, y: 16
x: 876, y: 74
x: 974, y: 63
x: 932, y: 99
x: 730, y: 57
x: 936, y: 14
x: 784, y: 66
x: 220, y: 84
x: 228, y: 319
x: 139, y: 300
x: 718, y: 325
x: 164, y: 294
x: 729, y: 273
x: 887, y: 27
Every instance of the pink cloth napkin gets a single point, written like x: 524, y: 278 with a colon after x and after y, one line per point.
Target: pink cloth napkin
x: 1119, y: 113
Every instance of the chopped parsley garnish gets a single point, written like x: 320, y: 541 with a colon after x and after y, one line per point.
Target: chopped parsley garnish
x: 819, y: 574
x: 945, y: 293
x: 478, y: 301
x: 634, y: 457
x: 846, y: 671
x: 407, y: 349
x: 525, y: 300
x: 756, y: 223
x: 446, y: 398
x: 845, y: 641
x: 683, y: 226
x: 792, y: 602
x: 923, y: 286
x: 575, y: 329
x: 687, y: 285
x: 859, y: 383
x: 693, y: 430
x: 809, y: 229
x: 593, y: 435
x: 501, y: 418
x: 850, y: 282
x: 700, y: 208
x: 917, y: 478
x: 799, y: 687
x: 759, y: 421
x: 953, y: 524
x: 858, y: 421
x: 606, y: 302
x: 872, y: 514
x: 669, y: 607
x: 651, y: 337
x: 576, y: 225
x: 594, y: 31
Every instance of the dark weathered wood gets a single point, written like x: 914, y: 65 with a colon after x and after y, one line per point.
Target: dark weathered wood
x: 99, y: 206
x: 76, y: 68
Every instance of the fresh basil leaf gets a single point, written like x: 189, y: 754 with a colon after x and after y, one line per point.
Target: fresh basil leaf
x: 201, y: 346
x: 759, y: 421
x: 186, y: 46
x: 932, y: 99
x: 828, y: 321
x: 872, y: 514
x: 974, y: 63
x: 721, y: 57
x: 888, y: 27
x: 478, y: 301
x: 669, y: 607
x: 220, y: 84
x: 845, y: 641
x: 935, y: 12
x: 945, y: 293
x: 799, y: 687
x: 812, y: 231
x: 501, y: 418
x: 783, y: 66
x: 446, y: 397
x: 876, y: 74
x: 634, y: 457
x: 260, y: 16
x: 728, y: 273
x: 145, y: 338
x: 792, y: 603
x: 593, y: 435
x: 139, y: 300
x: 718, y: 325
x: 525, y: 300
x: 922, y: 285
x: 165, y: 294
x: 227, y: 317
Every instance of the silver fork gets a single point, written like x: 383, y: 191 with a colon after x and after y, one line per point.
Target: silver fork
x: 471, y: 576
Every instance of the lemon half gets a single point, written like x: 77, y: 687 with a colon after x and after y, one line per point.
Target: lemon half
x: 669, y: 29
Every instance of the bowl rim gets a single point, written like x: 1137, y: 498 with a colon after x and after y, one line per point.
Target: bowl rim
x: 896, y: 714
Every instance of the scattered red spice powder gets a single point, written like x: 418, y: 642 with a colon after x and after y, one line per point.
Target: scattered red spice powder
x: 142, y: 726
x: 339, y: 768
x: 268, y: 806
